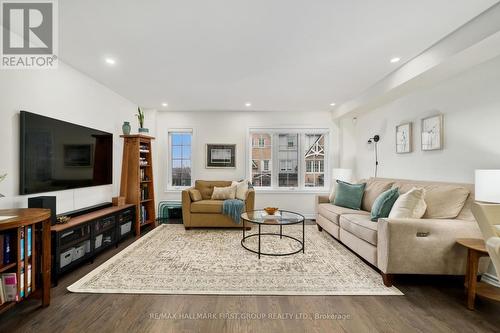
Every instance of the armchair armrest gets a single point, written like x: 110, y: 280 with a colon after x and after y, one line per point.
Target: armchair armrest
x: 186, y: 207
x: 423, y: 246
x: 250, y: 201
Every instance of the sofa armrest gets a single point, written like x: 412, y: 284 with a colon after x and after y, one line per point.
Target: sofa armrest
x: 322, y: 199
x: 186, y: 207
x: 423, y: 246
x: 250, y: 201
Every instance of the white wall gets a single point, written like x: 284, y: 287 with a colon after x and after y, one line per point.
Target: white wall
x: 232, y: 127
x: 470, y: 103
x: 64, y: 94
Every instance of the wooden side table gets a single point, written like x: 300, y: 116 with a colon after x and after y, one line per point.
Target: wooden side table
x: 475, y: 250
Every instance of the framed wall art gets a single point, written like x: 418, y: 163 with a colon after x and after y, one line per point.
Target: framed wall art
x: 220, y: 156
x: 404, y: 138
x: 432, y: 133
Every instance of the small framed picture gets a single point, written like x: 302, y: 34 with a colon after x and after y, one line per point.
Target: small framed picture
x: 220, y: 156
x: 432, y: 133
x: 404, y: 138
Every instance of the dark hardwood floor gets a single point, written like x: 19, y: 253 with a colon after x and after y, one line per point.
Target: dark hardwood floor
x: 430, y: 304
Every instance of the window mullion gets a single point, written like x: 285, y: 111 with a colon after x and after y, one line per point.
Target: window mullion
x: 275, y: 158
x: 301, y: 161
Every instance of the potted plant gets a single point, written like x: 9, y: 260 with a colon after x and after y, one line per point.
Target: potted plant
x: 140, y: 117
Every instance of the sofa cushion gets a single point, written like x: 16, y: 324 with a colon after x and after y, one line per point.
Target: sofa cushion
x: 206, y: 187
x: 410, y: 205
x: 374, y: 188
x: 332, y: 212
x: 241, y: 189
x: 444, y: 201
x: 383, y: 205
x: 349, y: 195
x: 195, y: 195
x: 224, y: 193
x: 207, y: 206
x: 361, y: 226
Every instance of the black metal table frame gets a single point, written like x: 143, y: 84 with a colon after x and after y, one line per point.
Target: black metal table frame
x: 259, y: 234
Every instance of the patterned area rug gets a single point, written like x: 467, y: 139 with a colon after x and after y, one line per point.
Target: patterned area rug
x: 171, y: 260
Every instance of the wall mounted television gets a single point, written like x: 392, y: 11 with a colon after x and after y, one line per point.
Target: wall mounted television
x: 56, y: 155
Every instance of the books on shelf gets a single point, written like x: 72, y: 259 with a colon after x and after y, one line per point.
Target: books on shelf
x: 144, y: 192
x: 26, y: 238
x: 21, y: 283
x: 9, y: 286
x: 2, y: 295
x: 21, y: 243
x: 29, y: 240
x: 8, y: 255
x: 143, y: 214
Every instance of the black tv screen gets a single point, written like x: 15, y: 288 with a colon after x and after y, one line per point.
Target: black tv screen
x: 57, y: 155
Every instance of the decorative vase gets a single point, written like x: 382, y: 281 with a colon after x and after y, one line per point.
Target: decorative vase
x: 126, y: 128
x: 143, y: 130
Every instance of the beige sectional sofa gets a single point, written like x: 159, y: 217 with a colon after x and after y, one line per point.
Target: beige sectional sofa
x: 407, y: 246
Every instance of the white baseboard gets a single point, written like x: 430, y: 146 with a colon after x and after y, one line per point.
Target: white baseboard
x: 310, y: 216
x: 490, y: 279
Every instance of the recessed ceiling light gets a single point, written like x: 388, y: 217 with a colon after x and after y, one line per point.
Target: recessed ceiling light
x: 395, y: 59
x: 110, y: 61
x: 164, y: 104
x: 332, y: 104
x: 248, y: 104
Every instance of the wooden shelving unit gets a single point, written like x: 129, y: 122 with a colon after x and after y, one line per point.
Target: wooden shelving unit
x: 36, y: 261
x: 137, y: 183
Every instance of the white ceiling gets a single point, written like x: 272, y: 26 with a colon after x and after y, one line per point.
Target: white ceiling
x: 285, y: 55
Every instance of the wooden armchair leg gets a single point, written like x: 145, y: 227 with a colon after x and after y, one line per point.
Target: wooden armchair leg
x: 388, y: 279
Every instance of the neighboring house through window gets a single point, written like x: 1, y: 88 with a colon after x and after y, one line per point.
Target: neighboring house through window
x: 300, y: 154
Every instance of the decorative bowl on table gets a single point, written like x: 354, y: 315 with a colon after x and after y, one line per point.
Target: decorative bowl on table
x: 271, y: 210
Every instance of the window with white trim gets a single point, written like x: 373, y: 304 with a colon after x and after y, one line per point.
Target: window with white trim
x: 179, y: 166
x: 314, y: 147
x: 261, y: 155
x: 300, y: 155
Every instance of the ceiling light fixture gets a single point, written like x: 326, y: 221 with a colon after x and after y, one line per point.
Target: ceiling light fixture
x: 332, y: 104
x: 164, y: 104
x: 395, y: 59
x: 248, y: 104
x: 110, y: 61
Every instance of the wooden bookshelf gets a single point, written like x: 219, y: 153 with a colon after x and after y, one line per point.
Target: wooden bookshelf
x: 137, y: 183
x: 38, y: 221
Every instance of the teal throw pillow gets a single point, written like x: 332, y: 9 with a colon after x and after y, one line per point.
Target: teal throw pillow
x: 349, y: 195
x: 383, y: 204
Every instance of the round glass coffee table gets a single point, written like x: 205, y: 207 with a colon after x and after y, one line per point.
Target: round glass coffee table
x: 281, y: 218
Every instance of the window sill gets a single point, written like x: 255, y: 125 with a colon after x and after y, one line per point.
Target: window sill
x: 290, y: 191
x: 176, y: 189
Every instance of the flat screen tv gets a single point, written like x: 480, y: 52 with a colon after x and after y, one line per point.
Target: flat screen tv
x: 57, y: 155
